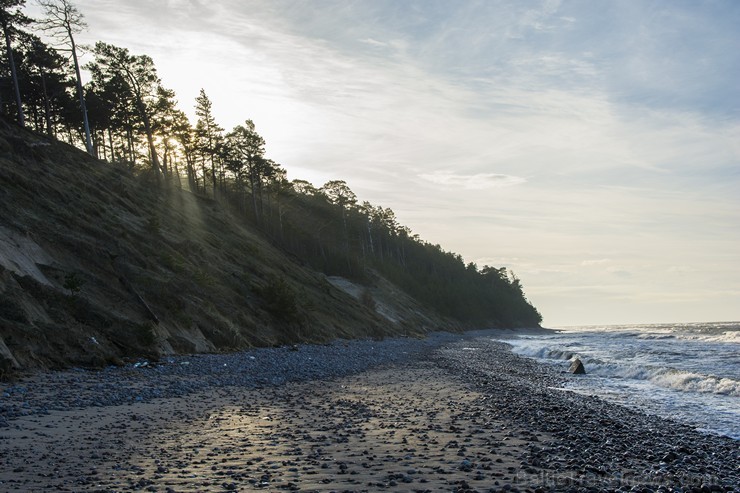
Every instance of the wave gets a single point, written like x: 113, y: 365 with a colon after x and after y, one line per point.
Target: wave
x: 706, y: 332
x: 688, y: 372
x: 723, y: 336
x: 672, y: 378
x: 694, y: 382
x: 662, y: 376
x: 655, y: 337
x: 541, y: 352
x: 730, y: 336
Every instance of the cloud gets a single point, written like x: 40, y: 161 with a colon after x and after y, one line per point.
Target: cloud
x: 537, y: 18
x: 681, y: 269
x: 624, y: 124
x: 601, y: 261
x: 616, y: 271
x: 374, y: 42
x: 479, y: 181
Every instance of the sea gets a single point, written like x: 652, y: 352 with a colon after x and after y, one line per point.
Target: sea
x: 687, y: 372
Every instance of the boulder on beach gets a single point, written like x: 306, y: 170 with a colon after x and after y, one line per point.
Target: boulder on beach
x: 577, y: 367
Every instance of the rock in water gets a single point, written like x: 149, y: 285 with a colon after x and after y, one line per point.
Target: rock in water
x: 577, y: 367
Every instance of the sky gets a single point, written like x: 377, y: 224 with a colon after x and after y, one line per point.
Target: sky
x: 591, y: 147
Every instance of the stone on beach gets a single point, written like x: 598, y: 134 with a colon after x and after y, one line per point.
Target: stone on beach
x: 577, y: 367
x: 397, y: 415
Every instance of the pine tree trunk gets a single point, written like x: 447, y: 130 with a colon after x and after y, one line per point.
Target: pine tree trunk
x: 81, y: 94
x: 110, y: 143
x: 150, y: 140
x: 47, y: 109
x: 213, y: 176
x: 14, y: 74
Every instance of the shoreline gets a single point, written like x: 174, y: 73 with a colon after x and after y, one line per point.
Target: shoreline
x: 453, y: 412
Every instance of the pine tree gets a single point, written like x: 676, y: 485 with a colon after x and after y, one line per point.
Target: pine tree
x: 10, y: 18
x: 208, y: 133
x: 63, y: 21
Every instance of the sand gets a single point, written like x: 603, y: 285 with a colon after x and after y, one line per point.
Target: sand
x: 412, y: 427
x: 444, y: 420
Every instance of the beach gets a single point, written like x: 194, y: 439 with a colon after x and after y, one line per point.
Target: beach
x: 448, y: 413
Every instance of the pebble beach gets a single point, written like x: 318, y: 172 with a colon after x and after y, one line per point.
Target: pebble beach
x: 451, y: 412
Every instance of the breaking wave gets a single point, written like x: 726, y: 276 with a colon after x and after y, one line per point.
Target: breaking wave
x: 666, y: 377
x: 688, y: 370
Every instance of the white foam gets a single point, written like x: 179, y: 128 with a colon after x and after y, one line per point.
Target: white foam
x: 634, y: 364
x: 688, y: 372
x: 671, y: 378
x: 693, y: 382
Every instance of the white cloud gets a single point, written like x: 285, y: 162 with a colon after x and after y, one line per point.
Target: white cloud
x: 401, y: 99
x: 480, y: 181
x: 601, y: 261
x: 374, y: 42
x: 539, y: 18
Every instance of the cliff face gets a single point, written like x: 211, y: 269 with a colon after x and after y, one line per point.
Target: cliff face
x: 98, y: 264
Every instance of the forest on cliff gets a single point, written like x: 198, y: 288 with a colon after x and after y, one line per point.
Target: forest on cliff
x: 126, y: 118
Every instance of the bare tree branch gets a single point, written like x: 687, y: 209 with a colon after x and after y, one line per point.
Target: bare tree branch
x: 62, y: 21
